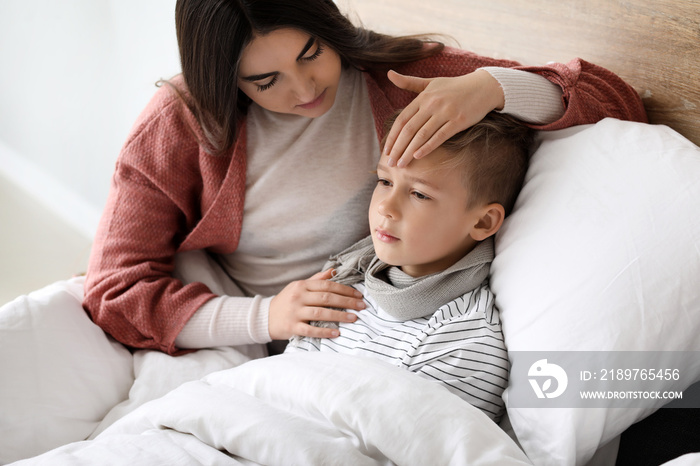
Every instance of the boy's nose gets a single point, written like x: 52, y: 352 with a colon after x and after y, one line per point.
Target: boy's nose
x: 386, y: 208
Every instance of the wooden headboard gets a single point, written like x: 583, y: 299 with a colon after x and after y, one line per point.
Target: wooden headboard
x: 653, y: 44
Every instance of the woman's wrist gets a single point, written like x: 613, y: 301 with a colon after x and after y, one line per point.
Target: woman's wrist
x: 493, y: 89
x: 528, y: 96
x: 227, y: 321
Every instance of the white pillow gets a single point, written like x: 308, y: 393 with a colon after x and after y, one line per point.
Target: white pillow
x: 601, y: 253
x: 60, y: 374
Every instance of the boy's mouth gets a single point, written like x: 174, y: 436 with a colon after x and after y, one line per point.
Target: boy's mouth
x: 384, y: 236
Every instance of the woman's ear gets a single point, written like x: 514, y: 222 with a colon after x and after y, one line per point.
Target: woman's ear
x: 489, y: 223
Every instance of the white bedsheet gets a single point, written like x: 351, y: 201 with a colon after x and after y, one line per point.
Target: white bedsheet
x: 308, y: 408
x: 69, y: 394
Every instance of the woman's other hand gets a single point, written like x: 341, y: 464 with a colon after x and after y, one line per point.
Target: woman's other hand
x: 307, y: 300
x: 442, y: 108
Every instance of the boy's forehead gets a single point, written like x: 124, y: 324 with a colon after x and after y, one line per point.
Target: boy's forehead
x: 436, y: 160
x: 434, y: 169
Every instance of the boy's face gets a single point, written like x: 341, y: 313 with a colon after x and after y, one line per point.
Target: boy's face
x: 419, y: 217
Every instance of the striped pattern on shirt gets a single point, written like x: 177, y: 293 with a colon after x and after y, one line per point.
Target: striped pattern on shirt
x: 460, y: 345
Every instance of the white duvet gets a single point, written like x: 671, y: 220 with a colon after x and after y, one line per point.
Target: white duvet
x: 306, y: 409
x: 65, y: 381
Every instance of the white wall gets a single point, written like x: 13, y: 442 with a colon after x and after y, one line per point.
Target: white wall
x: 74, y: 75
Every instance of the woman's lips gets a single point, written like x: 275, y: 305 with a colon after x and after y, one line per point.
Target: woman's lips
x: 314, y: 103
x: 384, y: 236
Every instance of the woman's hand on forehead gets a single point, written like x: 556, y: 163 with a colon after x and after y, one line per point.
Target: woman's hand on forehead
x: 442, y: 108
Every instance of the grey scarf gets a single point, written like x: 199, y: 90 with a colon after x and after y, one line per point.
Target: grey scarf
x: 405, y: 297
x: 401, y: 295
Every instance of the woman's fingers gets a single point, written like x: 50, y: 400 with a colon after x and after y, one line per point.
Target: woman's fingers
x: 442, y: 108
x: 332, y: 287
x: 308, y: 300
x: 407, y: 122
x: 323, y: 275
x: 409, y: 83
x: 406, y: 125
x: 419, y: 135
x: 322, y: 314
x: 429, y: 137
x: 421, y: 127
x: 306, y: 330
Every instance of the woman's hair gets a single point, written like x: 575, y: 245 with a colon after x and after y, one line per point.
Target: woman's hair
x: 212, y: 34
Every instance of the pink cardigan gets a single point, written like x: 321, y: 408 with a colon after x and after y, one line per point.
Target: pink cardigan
x: 169, y: 195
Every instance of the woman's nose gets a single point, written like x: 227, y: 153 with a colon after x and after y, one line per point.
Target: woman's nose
x: 304, y: 88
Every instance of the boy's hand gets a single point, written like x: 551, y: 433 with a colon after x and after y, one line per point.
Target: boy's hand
x: 442, y: 108
x: 305, y: 300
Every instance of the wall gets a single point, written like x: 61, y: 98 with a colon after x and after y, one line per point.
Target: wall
x: 74, y: 76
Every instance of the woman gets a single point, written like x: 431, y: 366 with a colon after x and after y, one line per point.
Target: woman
x: 261, y: 154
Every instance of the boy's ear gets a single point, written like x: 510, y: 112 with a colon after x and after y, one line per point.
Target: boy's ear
x: 491, y: 219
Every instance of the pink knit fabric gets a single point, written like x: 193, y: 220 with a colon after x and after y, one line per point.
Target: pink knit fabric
x: 168, y: 194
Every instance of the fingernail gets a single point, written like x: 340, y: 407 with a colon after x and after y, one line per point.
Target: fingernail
x: 401, y: 163
x: 351, y: 317
x: 335, y: 333
x: 360, y: 304
x: 390, y: 163
x: 358, y: 294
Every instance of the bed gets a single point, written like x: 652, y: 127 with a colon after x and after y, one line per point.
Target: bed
x: 608, y: 270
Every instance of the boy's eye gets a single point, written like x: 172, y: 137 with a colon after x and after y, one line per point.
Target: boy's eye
x: 383, y: 182
x: 421, y: 196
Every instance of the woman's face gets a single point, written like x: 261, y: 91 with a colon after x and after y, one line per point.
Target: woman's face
x: 288, y: 71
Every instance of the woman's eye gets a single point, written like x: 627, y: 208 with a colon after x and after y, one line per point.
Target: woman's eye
x: 315, y: 55
x: 266, y: 86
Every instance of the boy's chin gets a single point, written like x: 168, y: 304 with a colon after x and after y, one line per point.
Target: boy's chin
x: 384, y: 257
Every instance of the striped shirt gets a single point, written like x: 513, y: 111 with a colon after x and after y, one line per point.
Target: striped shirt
x: 460, y: 346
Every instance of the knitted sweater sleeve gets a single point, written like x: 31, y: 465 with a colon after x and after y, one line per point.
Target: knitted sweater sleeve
x: 589, y: 92
x: 154, y: 201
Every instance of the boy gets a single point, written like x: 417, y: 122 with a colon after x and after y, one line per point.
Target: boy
x: 424, y: 269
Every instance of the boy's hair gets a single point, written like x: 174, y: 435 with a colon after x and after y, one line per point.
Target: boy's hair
x: 493, y: 155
